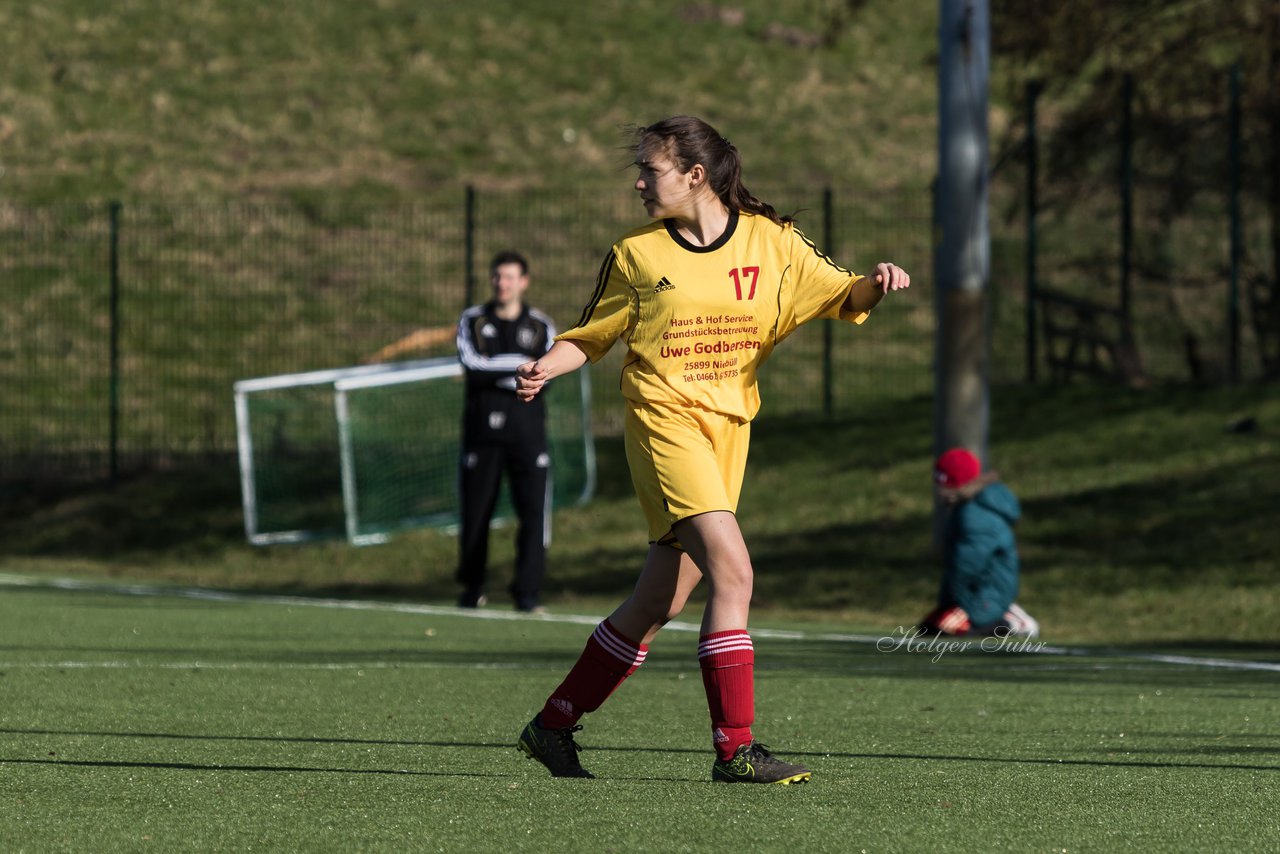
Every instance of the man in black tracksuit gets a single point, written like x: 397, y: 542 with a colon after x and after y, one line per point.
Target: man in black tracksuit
x: 499, y: 433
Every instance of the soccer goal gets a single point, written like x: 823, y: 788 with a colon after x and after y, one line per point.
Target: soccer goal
x: 400, y: 439
x: 287, y: 438
x: 360, y: 452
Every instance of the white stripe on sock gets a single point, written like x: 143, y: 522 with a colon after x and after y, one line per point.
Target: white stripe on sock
x: 727, y: 643
x: 617, y: 647
x: 713, y: 653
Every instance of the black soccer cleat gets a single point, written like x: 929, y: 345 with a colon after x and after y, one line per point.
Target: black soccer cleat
x: 472, y: 598
x: 554, y: 748
x: 753, y: 763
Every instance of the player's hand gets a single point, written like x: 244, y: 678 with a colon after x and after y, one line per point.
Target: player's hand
x: 890, y: 277
x: 530, y: 378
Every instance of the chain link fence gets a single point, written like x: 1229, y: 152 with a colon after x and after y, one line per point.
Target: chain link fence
x: 125, y: 326
x: 1144, y: 234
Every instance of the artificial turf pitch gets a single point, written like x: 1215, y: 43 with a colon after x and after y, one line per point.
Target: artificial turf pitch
x: 136, y: 720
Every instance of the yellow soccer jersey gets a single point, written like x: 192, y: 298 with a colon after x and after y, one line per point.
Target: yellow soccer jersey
x: 699, y: 321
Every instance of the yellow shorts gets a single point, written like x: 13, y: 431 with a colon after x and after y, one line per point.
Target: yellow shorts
x: 684, y: 461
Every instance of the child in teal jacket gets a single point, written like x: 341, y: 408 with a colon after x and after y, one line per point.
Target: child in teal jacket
x: 980, y: 553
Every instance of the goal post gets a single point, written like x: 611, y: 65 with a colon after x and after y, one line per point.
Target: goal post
x: 288, y: 450
x: 364, y: 451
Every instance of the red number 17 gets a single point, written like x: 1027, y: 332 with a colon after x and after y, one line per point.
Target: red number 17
x: 737, y: 276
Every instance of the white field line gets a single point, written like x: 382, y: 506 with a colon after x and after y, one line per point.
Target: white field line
x: 882, y: 642
x: 359, y: 667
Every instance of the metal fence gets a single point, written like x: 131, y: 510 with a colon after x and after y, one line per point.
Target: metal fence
x: 1145, y: 235
x: 124, y: 326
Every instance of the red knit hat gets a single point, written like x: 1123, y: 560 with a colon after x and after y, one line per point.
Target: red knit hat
x: 955, y: 468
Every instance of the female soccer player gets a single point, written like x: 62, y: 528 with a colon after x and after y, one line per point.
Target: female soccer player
x: 701, y: 296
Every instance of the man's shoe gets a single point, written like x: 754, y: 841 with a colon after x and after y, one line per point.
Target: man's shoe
x: 554, y: 748
x: 472, y: 599
x: 753, y: 763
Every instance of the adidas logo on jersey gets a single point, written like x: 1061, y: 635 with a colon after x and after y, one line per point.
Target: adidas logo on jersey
x: 664, y: 284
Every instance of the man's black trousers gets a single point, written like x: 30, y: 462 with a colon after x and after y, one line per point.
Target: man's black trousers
x: 528, y: 471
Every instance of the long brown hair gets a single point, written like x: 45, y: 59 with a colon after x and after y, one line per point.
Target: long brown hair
x: 688, y: 140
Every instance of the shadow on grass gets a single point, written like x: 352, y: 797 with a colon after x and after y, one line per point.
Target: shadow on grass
x: 1042, y: 413
x: 197, y: 659
x: 1176, y: 530
x: 1178, y: 524
x: 1207, y: 750
x: 160, y: 516
x: 272, y: 739
x: 825, y: 754
x: 877, y: 435
x: 1159, y: 533
x: 118, y: 595
x: 1024, y: 760
x: 194, y: 505
x: 279, y: 769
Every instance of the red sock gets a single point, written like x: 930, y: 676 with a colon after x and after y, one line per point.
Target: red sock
x: 728, y: 673
x: 608, y: 659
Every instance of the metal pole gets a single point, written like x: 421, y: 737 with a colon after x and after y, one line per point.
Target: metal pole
x: 1233, y: 293
x: 469, y: 225
x: 962, y: 258
x: 113, y: 358
x: 1033, y: 349
x: 1273, y: 156
x: 1126, y: 200
x: 828, y: 244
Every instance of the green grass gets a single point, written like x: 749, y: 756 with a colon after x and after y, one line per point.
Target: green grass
x: 293, y: 182
x: 137, y: 723
x: 292, y: 179
x: 1146, y: 520
x: 384, y: 101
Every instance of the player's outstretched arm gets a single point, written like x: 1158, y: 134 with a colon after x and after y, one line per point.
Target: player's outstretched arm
x: 868, y: 291
x: 564, y: 357
x: 420, y: 339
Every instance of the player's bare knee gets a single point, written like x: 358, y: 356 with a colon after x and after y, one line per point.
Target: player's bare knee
x: 673, y: 611
x: 656, y: 610
x: 731, y: 581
